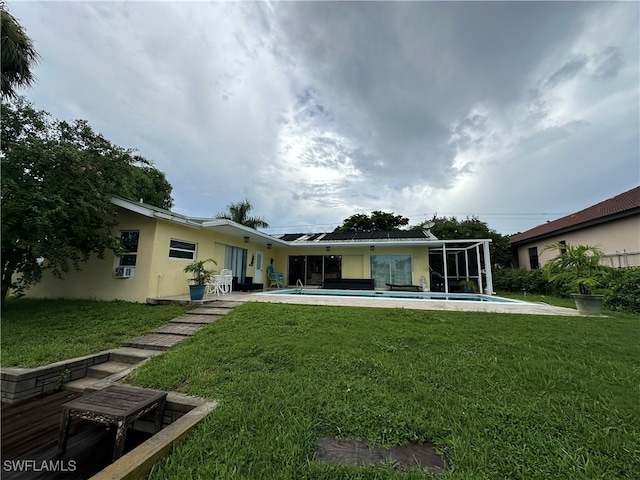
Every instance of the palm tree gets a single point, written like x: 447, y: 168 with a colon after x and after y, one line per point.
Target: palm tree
x: 18, y: 55
x: 239, y: 213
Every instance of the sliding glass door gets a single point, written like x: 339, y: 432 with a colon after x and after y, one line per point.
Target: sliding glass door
x: 235, y: 259
x: 313, y: 269
x: 392, y: 269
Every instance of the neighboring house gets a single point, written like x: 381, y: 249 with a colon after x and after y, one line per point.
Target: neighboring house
x: 613, y: 225
x: 159, y: 243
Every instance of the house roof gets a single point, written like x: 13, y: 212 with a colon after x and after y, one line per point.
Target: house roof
x: 356, y: 236
x: 346, y: 239
x: 624, y: 204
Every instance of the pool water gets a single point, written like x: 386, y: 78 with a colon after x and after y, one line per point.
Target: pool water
x: 469, y: 297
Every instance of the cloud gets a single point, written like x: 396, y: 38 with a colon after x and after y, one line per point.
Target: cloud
x: 319, y: 110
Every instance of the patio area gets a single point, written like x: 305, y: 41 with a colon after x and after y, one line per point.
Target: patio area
x: 445, y: 305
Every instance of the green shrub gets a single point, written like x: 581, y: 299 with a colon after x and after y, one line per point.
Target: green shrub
x: 623, y: 289
x: 620, y: 286
x: 519, y: 279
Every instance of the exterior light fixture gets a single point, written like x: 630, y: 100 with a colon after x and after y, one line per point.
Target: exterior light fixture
x: 246, y: 239
x: 328, y: 249
x: 268, y: 246
x: 372, y: 248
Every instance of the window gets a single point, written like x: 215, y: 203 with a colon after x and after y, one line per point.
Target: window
x: 314, y: 269
x: 183, y: 250
x: 533, y: 258
x: 129, y: 239
x: 563, y: 250
x: 396, y: 269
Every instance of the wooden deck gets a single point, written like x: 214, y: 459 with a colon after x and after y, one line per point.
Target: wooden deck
x: 30, y: 433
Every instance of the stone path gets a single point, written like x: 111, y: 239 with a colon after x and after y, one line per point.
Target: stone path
x: 167, y: 336
x: 123, y: 360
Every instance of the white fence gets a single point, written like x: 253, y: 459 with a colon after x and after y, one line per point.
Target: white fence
x: 621, y: 259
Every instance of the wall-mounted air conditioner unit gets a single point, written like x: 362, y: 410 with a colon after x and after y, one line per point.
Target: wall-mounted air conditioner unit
x: 123, y: 272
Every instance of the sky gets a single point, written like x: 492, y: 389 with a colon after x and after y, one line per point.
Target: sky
x: 516, y: 112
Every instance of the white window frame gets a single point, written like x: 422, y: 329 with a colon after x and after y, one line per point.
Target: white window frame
x: 177, y: 249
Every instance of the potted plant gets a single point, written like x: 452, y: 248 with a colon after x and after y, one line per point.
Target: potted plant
x: 469, y: 286
x: 200, y: 277
x: 578, y: 265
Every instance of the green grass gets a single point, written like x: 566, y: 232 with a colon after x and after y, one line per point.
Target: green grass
x: 535, y: 298
x: 501, y: 396
x: 39, y: 332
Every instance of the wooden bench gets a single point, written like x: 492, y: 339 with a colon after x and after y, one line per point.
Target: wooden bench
x: 349, y: 283
x: 117, y: 404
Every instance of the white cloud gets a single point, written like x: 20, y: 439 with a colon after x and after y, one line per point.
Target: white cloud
x: 319, y: 110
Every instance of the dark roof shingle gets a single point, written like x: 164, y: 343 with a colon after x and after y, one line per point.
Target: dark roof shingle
x: 625, y: 202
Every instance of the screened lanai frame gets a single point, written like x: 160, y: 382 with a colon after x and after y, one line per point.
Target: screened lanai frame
x: 459, y: 250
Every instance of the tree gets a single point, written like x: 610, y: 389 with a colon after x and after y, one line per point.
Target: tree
x: 377, y: 222
x: 149, y: 184
x: 18, y: 55
x: 453, y: 229
x: 239, y: 213
x: 57, y: 182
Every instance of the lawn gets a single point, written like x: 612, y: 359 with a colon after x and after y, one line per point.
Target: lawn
x: 501, y: 396
x: 39, y: 332
x: 538, y: 298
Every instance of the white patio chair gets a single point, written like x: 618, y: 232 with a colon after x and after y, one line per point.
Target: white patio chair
x: 223, y: 282
x: 210, y: 286
x: 228, y: 280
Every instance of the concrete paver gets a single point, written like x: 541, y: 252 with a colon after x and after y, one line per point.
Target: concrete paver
x: 196, y: 319
x: 184, y: 329
x: 221, y: 304
x: 208, y: 311
x: 155, y: 341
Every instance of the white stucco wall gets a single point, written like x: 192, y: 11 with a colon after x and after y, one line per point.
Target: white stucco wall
x: 615, y: 236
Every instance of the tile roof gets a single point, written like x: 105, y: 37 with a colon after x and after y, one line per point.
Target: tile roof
x: 624, y: 203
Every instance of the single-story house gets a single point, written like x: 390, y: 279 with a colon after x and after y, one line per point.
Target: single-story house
x: 613, y: 225
x: 159, y: 243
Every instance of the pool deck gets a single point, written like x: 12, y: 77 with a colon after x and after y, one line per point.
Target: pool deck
x: 526, y: 308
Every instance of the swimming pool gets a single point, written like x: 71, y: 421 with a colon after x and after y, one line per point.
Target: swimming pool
x: 468, y: 297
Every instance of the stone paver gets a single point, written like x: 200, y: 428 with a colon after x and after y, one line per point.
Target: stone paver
x: 132, y: 355
x: 208, y: 311
x: 196, y: 319
x: 221, y: 304
x: 184, y: 329
x: 155, y: 341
